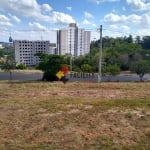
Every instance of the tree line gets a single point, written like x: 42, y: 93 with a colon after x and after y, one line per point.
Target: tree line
x: 119, y: 54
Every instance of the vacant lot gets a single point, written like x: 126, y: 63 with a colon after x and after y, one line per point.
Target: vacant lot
x: 74, y: 116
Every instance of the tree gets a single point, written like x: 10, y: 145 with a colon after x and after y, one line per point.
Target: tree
x: 21, y: 66
x: 146, y: 42
x: 137, y: 57
x: 112, y: 69
x: 112, y: 55
x: 123, y: 61
x: 78, y: 61
x: 8, y: 65
x: 129, y: 39
x: 50, y: 65
x: 1, y: 53
x: 138, y: 39
x: 86, y: 68
x: 140, y: 68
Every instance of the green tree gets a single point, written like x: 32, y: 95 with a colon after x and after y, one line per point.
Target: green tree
x: 123, y: 61
x: 21, y: 66
x: 8, y: 65
x: 50, y: 65
x: 140, y: 68
x: 1, y: 53
x: 112, y: 69
x: 111, y: 55
x: 78, y: 61
x: 138, y: 39
x: 86, y: 68
x: 129, y: 39
x: 146, y: 42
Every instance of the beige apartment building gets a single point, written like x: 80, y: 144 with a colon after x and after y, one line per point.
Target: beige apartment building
x: 73, y: 40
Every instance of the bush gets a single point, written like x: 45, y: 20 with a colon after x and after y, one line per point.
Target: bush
x: 21, y: 66
x: 111, y: 69
x: 86, y: 68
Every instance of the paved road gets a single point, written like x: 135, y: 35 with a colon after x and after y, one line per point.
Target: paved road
x: 21, y: 76
x: 38, y: 76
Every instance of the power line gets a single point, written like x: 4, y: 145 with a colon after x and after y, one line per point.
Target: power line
x: 94, y: 32
x: 117, y: 31
x: 55, y: 30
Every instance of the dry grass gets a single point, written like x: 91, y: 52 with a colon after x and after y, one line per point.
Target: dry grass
x: 41, y: 115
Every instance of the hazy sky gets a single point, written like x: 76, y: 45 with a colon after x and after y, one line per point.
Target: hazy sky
x: 39, y: 19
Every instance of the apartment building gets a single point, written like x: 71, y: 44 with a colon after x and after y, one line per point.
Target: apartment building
x: 25, y: 51
x: 73, y: 40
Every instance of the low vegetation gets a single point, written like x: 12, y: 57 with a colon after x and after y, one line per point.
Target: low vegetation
x: 73, y: 116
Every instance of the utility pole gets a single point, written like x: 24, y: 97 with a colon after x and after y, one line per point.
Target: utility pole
x: 100, y: 56
x: 70, y: 61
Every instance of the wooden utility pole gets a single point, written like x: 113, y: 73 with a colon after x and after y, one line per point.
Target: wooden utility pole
x: 100, y: 56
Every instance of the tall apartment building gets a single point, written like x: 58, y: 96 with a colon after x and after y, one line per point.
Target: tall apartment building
x: 73, y: 40
x: 25, y: 51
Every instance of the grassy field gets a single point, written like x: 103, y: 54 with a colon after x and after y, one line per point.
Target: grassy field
x: 74, y: 116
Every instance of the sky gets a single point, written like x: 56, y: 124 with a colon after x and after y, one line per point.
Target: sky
x: 40, y: 19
